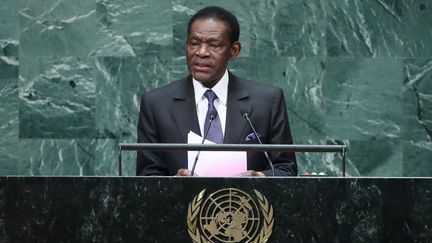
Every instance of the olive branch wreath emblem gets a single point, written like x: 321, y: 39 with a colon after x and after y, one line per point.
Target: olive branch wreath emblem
x: 195, y: 206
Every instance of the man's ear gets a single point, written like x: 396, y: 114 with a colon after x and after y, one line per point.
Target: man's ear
x: 235, y: 49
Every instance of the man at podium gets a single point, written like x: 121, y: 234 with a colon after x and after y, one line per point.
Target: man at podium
x: 214, y: 103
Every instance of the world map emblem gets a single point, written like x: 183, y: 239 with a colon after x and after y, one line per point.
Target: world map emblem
x: 230, y: 215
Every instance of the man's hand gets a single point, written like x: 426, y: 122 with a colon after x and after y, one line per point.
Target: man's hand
x: 252, y: 173
x: 185, y: 172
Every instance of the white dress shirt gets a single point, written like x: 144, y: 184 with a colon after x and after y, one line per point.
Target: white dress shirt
x: 221, y: 91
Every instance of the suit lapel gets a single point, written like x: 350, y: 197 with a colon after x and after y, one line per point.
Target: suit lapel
x: 238, y: 103
x: 184, y: 108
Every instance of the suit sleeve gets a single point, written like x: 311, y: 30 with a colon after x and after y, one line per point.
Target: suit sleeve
x: 149, y: 162
x: 280, y: 133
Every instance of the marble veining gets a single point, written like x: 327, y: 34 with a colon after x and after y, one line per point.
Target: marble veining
x: 57, y: 91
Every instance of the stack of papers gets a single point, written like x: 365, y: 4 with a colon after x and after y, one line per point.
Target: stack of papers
x: 216, y: 163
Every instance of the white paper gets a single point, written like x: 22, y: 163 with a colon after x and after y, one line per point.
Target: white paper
x: 216, y: 163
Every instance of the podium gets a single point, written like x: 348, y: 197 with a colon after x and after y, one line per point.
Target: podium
x: 162, y: 209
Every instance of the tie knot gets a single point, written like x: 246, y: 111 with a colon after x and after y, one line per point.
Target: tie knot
x: 210, y: 95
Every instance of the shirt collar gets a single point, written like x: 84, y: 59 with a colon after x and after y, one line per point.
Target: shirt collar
x: 220, y: 89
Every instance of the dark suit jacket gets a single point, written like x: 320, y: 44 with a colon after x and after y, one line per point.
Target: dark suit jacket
x: 168, y: 113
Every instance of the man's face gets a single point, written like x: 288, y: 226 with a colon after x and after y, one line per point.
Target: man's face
x: 208, y: 50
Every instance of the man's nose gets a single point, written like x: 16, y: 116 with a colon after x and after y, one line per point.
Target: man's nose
x: 203, y: 51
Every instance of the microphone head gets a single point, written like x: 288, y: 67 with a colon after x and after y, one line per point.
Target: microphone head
x: 244, y: 113
x: 213, y: 114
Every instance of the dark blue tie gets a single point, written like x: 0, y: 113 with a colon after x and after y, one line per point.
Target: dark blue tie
x: 215, y: 132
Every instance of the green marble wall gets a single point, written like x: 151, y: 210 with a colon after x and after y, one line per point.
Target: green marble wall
x: 355, y: 72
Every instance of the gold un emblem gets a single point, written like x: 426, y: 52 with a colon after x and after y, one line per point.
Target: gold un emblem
x: 230, y: 215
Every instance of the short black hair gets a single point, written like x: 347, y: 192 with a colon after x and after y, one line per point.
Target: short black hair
x: 221, y: 14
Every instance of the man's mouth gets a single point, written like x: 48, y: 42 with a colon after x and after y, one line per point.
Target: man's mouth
x: 201, y: 66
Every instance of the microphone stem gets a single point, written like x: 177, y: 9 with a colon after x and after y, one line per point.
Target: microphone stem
x: 259, y: 140
x: 202, y: 142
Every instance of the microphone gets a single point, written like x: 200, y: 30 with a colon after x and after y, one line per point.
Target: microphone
x: 246, y: 116
x: 213, y: 115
